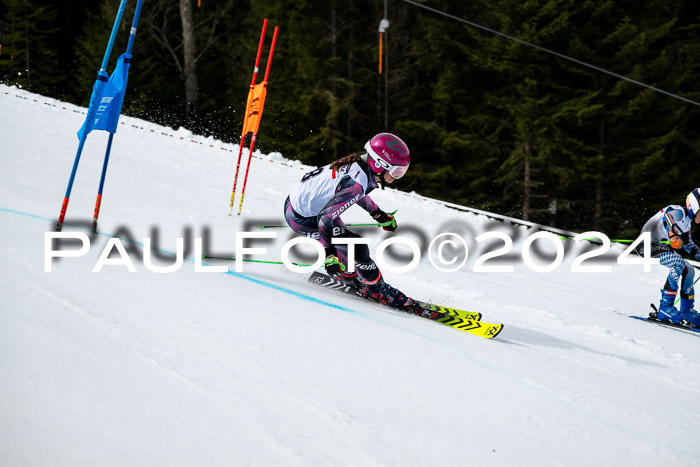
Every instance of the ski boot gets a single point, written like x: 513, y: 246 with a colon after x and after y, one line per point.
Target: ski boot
x: 336, y: 270
x: 667, y: 312
x: 411, y: 306
x: 689, y: 317
x: 350, y: 279
x: 381, y: 292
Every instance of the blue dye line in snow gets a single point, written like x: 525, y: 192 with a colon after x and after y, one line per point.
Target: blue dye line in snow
x: 191, y: 260
x: 286, y: 290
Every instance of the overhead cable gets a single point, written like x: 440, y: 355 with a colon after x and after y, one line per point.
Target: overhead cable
x: 566, y: 57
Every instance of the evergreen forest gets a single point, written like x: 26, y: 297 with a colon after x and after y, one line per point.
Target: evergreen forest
x: 491, y: 122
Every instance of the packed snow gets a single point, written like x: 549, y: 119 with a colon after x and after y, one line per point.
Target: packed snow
x: 259, y: 367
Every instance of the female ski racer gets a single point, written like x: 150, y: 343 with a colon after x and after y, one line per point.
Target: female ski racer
x: 315, y: 204
x: 672, y: 224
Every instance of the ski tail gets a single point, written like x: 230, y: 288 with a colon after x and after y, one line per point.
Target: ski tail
x: 478, y: 328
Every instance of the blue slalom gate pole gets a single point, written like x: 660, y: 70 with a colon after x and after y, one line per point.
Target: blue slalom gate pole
x: 98, y: 202
x: 113, y: 36
x: 96, y: 94
x: 129, y: 48
x: 134, y: 24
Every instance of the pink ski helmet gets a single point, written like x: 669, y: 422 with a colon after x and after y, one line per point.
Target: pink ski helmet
x: 388, y: 152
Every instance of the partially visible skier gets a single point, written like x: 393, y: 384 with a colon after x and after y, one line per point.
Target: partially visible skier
x: 315, y: 204
x: 672, y: 225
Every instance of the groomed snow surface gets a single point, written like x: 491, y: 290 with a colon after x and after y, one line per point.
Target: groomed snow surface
x: 117, y: 368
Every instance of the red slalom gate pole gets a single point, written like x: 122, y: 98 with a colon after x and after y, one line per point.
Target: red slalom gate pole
x: 244, y: 132
x: 235, y: 178
x: 255, y: 133
x: 245, y: 179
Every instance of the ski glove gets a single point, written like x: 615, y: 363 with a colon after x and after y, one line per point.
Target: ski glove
x: 386, y: 221
x: 332, y: 263
x: 676, y: 242
x: 333, y: 266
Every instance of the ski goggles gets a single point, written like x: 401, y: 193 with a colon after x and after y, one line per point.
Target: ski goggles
x: 396, y: 171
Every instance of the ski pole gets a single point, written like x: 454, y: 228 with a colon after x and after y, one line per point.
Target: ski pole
x: 251, y: 260
x: 617, y: 240
x: 375, y: 224
x: 262, y: 227
x: 679, y: 298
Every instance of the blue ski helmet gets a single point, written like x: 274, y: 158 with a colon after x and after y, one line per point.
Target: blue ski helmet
x: 692, y: 203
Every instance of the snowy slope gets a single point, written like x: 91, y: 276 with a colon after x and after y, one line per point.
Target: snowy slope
x: 261, y: 368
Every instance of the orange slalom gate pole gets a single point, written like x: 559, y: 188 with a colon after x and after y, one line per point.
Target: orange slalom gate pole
x: 245, y: 121
x: 263, y: 93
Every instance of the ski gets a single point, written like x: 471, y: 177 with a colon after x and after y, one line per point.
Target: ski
x: 450, y: 311
x: 459, y: 319
x: 328, y: 282
x: 652, y: 318
x: 668, y: 324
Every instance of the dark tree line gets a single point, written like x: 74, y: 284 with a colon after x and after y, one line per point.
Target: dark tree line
x: 491, y: 123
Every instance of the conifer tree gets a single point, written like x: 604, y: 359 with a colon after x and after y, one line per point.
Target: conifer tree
x: 28, y: 59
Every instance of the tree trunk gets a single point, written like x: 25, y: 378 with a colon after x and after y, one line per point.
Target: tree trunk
x: 598, y: 209
x: 526, y: 185
x: 598, y: 206
x: 351, y: 74
x: 334, y: 46
x: 26, y: 47
x: 379, y: 99
x: 386, y: 83
x: 334, y: 81
x: 189, y: 44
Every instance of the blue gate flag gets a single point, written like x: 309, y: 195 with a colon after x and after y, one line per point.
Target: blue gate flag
x: 107, y: 99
